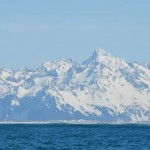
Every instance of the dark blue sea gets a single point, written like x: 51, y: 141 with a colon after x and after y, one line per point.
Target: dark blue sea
x: 74, y: 137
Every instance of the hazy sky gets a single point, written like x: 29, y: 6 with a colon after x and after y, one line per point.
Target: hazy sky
x: 35, y: 31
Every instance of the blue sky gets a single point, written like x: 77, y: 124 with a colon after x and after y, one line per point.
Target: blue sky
x: 35, y: 31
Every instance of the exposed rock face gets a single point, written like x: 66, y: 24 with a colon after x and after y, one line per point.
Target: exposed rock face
x: 102, y: 88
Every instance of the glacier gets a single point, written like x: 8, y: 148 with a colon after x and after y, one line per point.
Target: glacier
x: 103, y: 88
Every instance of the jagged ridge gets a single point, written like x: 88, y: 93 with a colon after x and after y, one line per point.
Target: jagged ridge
x: 103, y: 88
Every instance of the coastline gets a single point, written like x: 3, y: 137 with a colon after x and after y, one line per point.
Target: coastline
x: 73, y: 122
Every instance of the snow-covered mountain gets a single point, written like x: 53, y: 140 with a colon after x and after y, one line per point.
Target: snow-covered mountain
x: 102, y: 88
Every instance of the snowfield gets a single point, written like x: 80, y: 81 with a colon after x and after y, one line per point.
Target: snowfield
x: 103, y: 88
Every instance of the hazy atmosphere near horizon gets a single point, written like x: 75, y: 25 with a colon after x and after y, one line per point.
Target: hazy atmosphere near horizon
x: 35, y: 31
x: 75, y: 74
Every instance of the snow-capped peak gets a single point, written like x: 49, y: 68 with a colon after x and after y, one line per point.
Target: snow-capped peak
x: 103, y: 88
x: 51, y: 65
x: 98, y: 56
x: 100, y: 52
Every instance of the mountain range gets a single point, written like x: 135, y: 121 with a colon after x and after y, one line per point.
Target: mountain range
x: 103, y: 88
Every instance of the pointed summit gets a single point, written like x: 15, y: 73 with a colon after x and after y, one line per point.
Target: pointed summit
x: 100, y: 52
x: 97, y: 57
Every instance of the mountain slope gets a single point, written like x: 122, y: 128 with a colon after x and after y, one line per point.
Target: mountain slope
x: 103, y: 88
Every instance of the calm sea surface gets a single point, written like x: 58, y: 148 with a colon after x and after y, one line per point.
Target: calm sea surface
x: 72, y: 137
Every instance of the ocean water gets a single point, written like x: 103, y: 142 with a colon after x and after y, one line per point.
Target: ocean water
x: 74, y: 137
